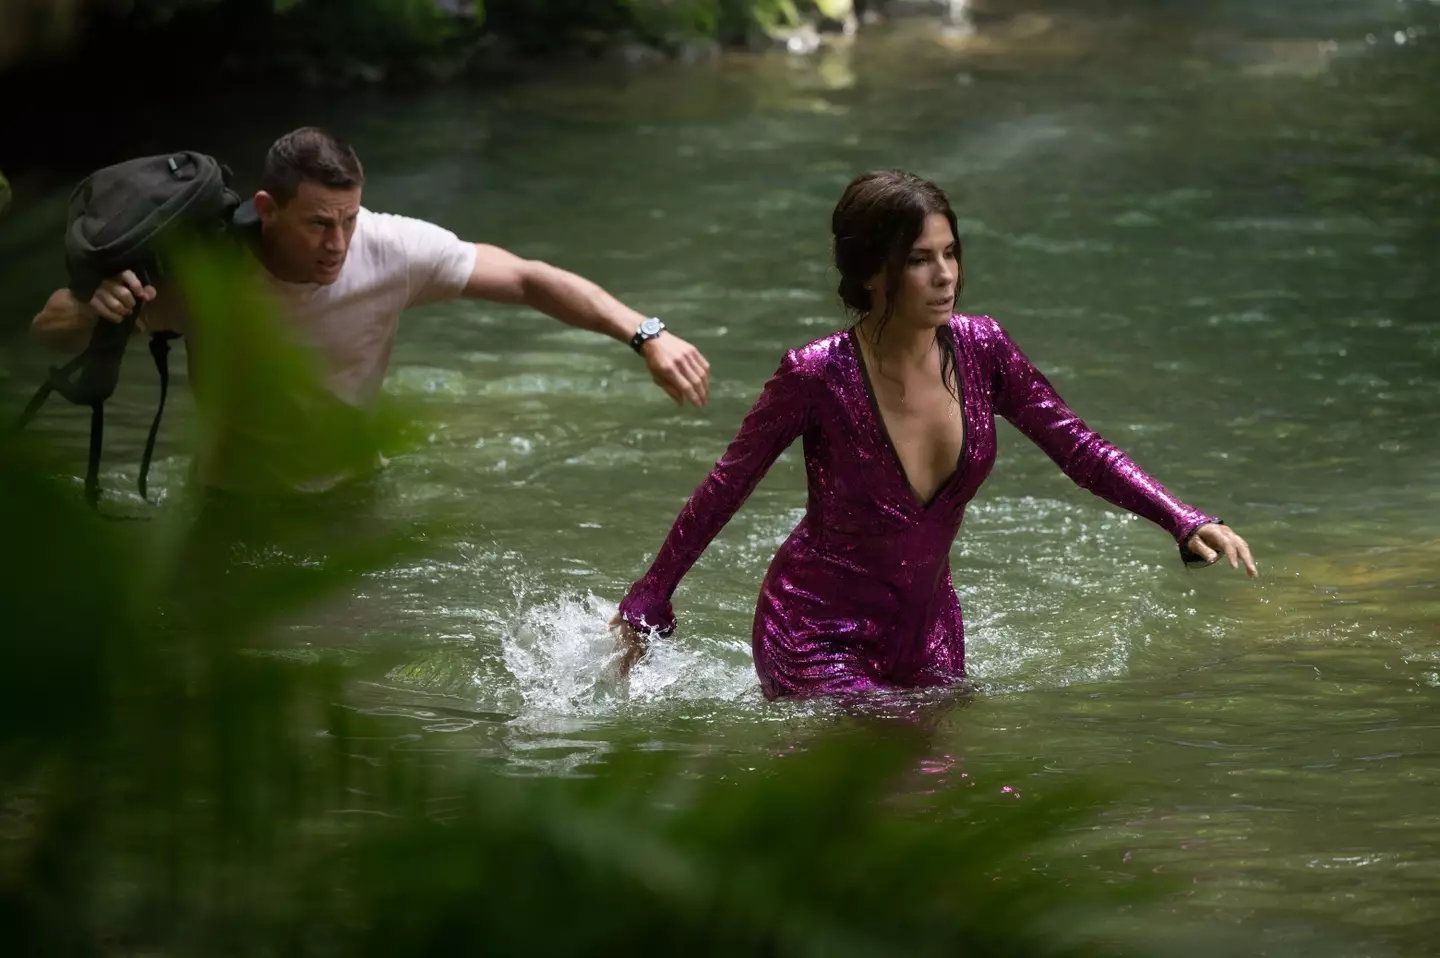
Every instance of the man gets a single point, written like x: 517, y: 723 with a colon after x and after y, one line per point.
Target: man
x: 343, y: 274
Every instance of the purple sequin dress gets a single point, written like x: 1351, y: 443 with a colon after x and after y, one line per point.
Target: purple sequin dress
x: 859, y: 596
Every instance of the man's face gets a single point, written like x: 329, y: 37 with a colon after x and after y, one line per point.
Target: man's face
x: 306, y: 239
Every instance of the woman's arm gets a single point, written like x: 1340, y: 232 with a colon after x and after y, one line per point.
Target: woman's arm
x: 1027, y: 400
x: 780, y: 415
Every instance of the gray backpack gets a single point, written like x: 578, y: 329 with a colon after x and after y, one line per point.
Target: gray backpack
x: 116, y: 219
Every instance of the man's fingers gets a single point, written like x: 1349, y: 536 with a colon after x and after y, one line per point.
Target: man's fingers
x: 677, y: 384
x: 670, y: 389
x: 107, y: 306
x: 700, y: 374
x: 132, y: 283
x: 693, y: 388
x: 684, y: 375
x: 698, y: 362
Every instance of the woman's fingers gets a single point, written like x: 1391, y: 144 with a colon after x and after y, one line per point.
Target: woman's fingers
x: 627, y: 640
x: 1235, y: 549
x: 1244, y: 549
x: 1198, y: 546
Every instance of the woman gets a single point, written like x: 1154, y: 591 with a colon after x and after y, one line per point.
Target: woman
x: 897, y: 415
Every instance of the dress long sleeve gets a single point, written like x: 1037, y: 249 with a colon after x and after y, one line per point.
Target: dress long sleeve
x: 1027, y: 400
x: 779, y: 415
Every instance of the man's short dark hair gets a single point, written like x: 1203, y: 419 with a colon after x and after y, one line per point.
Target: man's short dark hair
x: 310, y: 153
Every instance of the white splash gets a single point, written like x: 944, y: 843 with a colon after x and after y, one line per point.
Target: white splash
x: 565, y: 662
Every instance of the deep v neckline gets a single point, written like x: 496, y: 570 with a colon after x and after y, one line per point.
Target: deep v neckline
x: 878, y: 417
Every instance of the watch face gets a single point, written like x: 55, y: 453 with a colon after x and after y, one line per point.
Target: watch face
x: 650, y: 327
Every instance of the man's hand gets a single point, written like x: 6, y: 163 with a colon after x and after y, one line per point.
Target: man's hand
x: 502, y: 277
x: 117, y: 296
x: 678, y: 368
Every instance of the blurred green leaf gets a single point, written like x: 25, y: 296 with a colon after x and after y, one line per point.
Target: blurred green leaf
x: 265, y: 420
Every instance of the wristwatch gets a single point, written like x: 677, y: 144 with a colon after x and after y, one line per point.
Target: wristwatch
x: 648, y: 330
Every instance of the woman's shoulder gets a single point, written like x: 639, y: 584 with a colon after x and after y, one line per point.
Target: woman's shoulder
x: 983, y: 334
x: 818, y: 357
x: 979, y: 326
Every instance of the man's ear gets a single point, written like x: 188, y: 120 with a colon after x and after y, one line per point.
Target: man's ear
x: 265, y: 205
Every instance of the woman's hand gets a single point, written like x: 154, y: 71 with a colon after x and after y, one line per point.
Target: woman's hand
x: 1212, y: 540
x: 629, y: 642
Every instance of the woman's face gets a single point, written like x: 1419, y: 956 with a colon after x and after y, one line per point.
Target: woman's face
x: 926, y: 296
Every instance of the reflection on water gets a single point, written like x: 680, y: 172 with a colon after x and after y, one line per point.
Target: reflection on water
x: 1213, y: 227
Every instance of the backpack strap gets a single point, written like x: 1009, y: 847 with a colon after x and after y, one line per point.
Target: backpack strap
x: 59, y: 378
x: 160, y: 352
x: 58, y: 375
x: 92, y: 467
x: 94, y: 373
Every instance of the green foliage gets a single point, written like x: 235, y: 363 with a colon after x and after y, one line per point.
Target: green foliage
x: 334, y: 42
x: 264, y: 418
x: 379, y: 31
x: 731, y: 21
x: 545, y: 25
x: 171, y: 783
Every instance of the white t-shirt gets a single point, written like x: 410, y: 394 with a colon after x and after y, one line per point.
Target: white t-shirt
x: 393, y: 263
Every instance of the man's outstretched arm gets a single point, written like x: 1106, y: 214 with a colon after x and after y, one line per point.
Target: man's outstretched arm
x: 502, y: 277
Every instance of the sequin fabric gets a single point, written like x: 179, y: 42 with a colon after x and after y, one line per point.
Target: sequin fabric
x: 859, y: 597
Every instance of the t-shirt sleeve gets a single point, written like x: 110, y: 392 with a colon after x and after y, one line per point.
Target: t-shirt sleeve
x: 438, y: 263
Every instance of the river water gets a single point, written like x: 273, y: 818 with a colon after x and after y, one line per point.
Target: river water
x: 1215, y: 230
